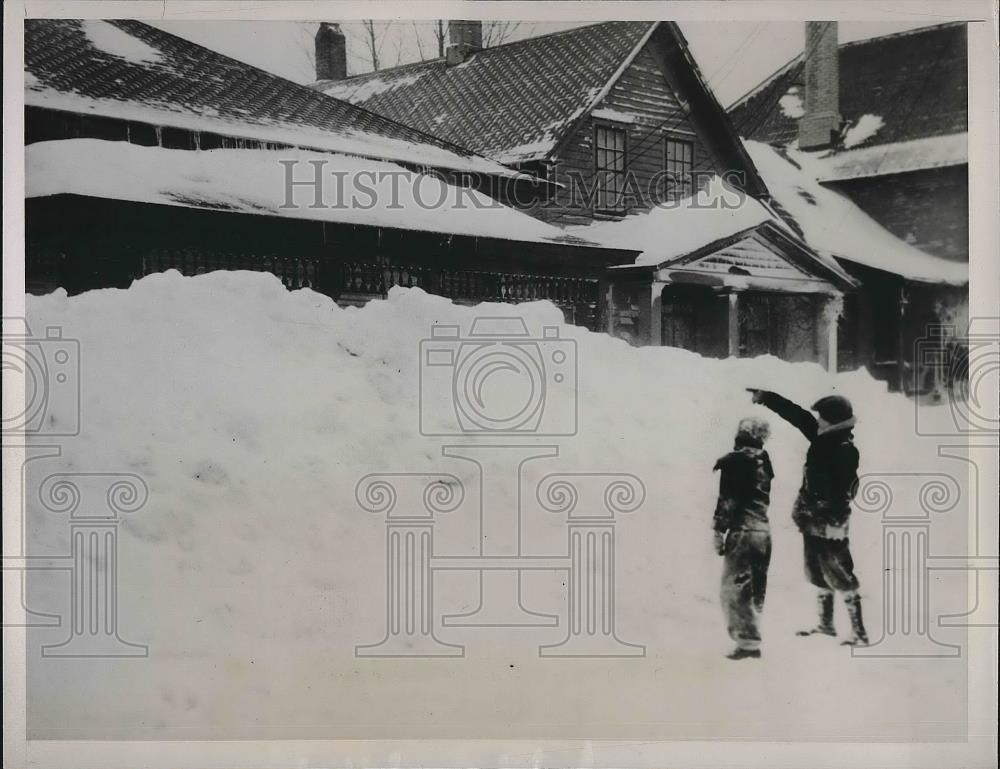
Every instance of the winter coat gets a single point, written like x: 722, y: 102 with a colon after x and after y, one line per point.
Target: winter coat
x: 744, y: 489
x: 830, y: 474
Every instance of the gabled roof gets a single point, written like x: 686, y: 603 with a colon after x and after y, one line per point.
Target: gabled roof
x: 513, y: 102
x: 517, y: 102
x: 129, y: 70
x: 914, y: 83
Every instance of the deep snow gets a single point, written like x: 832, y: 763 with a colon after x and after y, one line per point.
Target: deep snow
x: 251, y: 573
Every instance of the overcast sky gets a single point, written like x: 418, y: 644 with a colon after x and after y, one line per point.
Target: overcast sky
x: 733, y: 56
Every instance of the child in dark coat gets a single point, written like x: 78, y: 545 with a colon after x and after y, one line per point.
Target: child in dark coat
x: 742, y: 534
x: 823, y: 507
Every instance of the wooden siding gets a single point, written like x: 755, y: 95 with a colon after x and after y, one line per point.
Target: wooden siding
x: 645, y: 94
x: 749, y: 256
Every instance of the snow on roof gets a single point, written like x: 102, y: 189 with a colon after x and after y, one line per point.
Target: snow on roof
x: 881, y: 159
x: 866, y: 127
x: 832, y: 224
x: 108, y: 38
x: 128, y: 70
x: 346, y: 141
x: 607, y: 113
x: 791, y: 103
x: 671, y: 231
x: 353, y: 190
x: 376, y: 85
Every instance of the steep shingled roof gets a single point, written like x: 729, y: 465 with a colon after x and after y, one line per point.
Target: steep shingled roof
x: 914, y: 81
x: 129, y: 70
x: 513, y: 102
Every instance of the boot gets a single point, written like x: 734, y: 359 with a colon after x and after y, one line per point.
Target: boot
x: 824, y: 601
x: 858, y: 635
x: 739, y: 653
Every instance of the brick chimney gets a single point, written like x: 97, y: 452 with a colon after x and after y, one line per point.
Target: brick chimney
x: 819, y: 126
x: 464, y: 39
x: 331, y: 52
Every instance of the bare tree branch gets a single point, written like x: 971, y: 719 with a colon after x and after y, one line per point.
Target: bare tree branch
x: 420, y: 42
x: 441, y: 35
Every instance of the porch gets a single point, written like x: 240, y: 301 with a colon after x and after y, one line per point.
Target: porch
x: 757, y: 293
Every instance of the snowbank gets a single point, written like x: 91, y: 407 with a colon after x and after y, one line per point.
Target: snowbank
x: 833, y: 225
x: 252, y: 412
x: 353, y: 190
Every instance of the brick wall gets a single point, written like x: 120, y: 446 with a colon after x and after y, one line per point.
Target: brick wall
x: 822, y: 92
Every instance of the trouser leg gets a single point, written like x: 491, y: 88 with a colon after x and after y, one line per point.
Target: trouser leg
x: 759, y: 566
x: 738, y: 589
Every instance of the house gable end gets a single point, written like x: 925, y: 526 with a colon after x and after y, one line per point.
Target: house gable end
x: 653, y: 99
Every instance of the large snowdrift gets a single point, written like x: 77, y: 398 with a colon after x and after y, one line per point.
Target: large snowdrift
x: 251, y: 573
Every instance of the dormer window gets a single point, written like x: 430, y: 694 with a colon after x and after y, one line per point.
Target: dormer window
x: 610, y: 166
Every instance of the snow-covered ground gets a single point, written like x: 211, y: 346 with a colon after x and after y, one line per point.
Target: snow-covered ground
x: 251, y: 572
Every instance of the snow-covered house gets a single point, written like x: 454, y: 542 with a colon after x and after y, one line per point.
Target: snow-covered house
x: 148, y: 152
x: 620, y: 118
x: 880, y: 124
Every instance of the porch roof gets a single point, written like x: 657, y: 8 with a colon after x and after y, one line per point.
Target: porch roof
x: 710, y: 221
x: 762, y: 257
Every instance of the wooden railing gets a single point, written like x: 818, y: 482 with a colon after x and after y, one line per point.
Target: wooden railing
x: 474, y: 285
x: 294, y: 271
x: 360, y: 281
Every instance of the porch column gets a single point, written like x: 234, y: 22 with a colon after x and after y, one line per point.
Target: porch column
x: 655, y: 337
x: 609, y: 307
x: 734, y: 324
x: 827, y: 314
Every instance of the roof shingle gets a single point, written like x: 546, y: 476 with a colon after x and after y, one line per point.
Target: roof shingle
x: 131, y: 70
x: 915, y: 81
x: 513, y: 102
